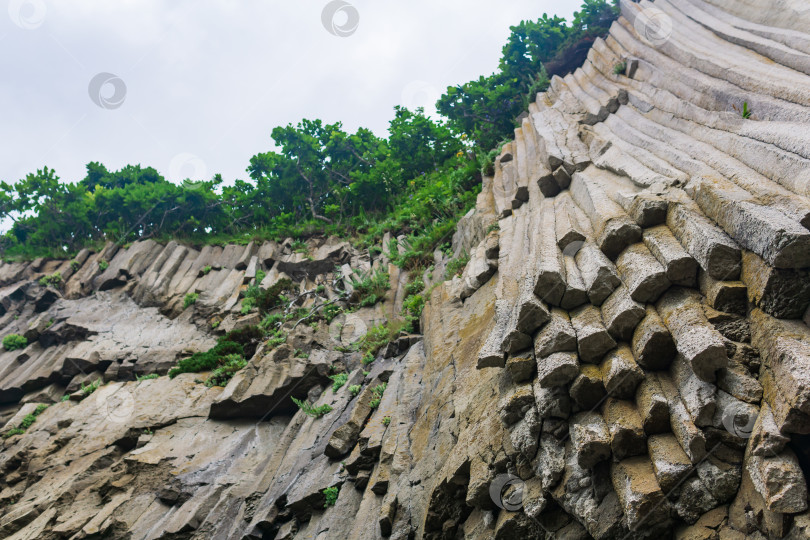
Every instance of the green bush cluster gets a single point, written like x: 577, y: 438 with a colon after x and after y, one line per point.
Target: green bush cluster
x: 331, y: 494
x: 53, y: 280
x: 377, y: 394
x: 241, y: 342
x: 190, y: 299
x: 222, y: 374
x: 355, y: 389
x: 146, y: 377
x: 103, y: 265
x: 338, y: 380
x: 311, y: 410
x: 26, y: 422
x: 90, y: 388
x: 456, y: 265
x: 12, y: 342
x: 370, y: 288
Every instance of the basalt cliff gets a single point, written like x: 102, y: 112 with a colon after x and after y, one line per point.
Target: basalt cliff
x: 626, y: 355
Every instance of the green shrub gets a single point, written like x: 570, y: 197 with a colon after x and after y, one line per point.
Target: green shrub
x: 260, y: 275
x: 146, y: 377
x: 330, y: 312
x: 54, y: 280
x: 456, y: 266
x: 66, y: 397
x: 12, y: 342
x: 74, y: 265
x: 103, y: 265
x: 189, y: 299
x: 221, y: 375
x: 493, y: 227
x: 208, y: 360
x: 386, y: 420
x: 376, y: 395
x: 331, y: 494
x: 355, y: 389
x: 299, y: 246
x: 367, y: 358
x: 206, y: 269
x: 370, y: 289
x: 619, y: 68
x: 247, y: 305
x: 338, y: 380
x: 309, y: 409
x: 26, y: 422
x: 277, y: 338
x: 90, y: 388
x: 415, y: 286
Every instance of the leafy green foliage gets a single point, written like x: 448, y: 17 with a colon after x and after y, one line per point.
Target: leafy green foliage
x: 90, y: 388
x: 355, y: 389
x: 12, y: 342
x: 53, y: 280
x: 331, y: 494
x: 746, y: 112
x: 221, y: 375
x: 146, y: 377
x: 331, y: 311
x: 103, y: 265
x: 456, y: 265
x: 206, y: 269
x: 619, y: 68
x: 370, y: 288
x: 190, y: 299
x: 338, y: 380
x: 208, y: 360
x: 74, y: 265
x: 377, y: 394
x: 386, y: 420
x: 486, y: 108
x: 311, y: 410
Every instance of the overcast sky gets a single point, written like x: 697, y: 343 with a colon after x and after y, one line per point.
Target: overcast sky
x: 194, y: 88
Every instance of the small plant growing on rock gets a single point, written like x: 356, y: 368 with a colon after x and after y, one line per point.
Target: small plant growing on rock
x: 619, y: 68
x: 206, y: 269
x: 370, y: 289
x: 189, y: 299
x: 221, y: 375
x: 74, y: 265
x: 493, y: 227
x: 456, y: 266
x: 377, y: 394
x: 54, y: 280
x: 90, y: 388
x: 277, y: 338
x: 247, y: 305
x: 338, y: 380
x: 260, y: 275
x: 331, y: 494
x: 146, y: 377
x: 386, y: 420
x: 299, y: 246
x: 311, y: 410
x: 66, y: 397
x: 355, y: 389
x: 12, y: 342
x: 103, y: 265
x: 330, y: 312
x: 27, y: 421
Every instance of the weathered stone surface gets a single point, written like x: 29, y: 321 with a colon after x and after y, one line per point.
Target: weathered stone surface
x: 652, y: 405
x: 590, y: 439
x: 622, y: 314
x: 588, y: 390
x: 627, y: 436
x: 695, y: 338
x: 681, y: 268
x: 652, y: 344
x: 557, y: 369
x: 639, y: 493
x: 521, y: 366
x: 620, y: 373
x: 557, y: 336
x: 593, y: 340
x: 669, y: 461
x: 643, y: 275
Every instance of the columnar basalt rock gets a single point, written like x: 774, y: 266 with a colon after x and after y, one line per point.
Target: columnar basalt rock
x: 627, y: 356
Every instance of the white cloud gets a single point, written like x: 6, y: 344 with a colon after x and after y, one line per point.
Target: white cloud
x: 212, y: 79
